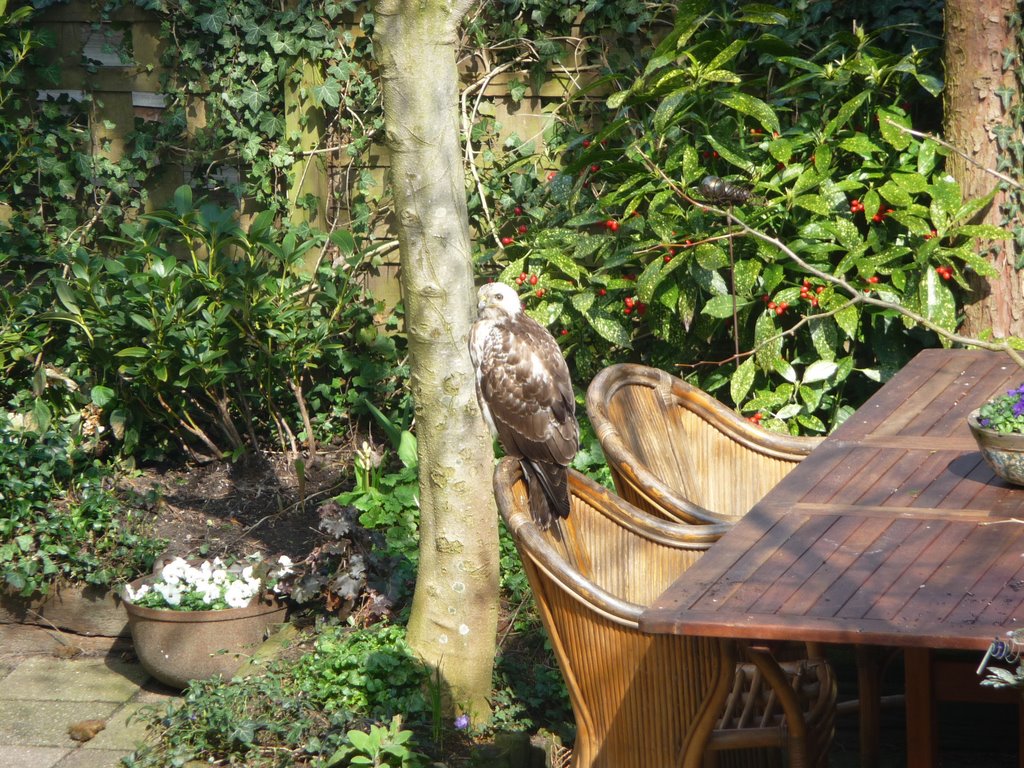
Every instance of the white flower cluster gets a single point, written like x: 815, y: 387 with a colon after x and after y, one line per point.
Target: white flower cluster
x: 211, y: 585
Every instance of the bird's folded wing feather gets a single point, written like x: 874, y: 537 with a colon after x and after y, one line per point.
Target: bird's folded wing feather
x: 525, y: 382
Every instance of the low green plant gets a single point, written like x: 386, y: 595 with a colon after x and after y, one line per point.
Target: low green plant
x: 370, y: 672
x: 380, y: 746
x: 258, y: 721
x: 62, y: 519
x: 1004, y: 413
x: 388, y: 501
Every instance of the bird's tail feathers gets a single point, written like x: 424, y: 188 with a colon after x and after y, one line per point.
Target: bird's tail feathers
x: 548, y: 486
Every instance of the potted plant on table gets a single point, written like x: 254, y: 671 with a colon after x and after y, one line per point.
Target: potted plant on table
x: 196, y: 621
x: 998, y: 427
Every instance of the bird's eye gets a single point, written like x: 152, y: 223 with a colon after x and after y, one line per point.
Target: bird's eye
x: 498, y: 296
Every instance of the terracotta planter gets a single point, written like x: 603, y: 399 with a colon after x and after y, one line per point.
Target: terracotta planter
x: 1003, y: 451
x: 178, y: 646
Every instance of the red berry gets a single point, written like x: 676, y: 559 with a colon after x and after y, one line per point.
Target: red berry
x: 523, y: 229
x: 518, y: 211
x: 612, y: 225
x: 819, y: 289
x: 772, y: 305
x: 533, y: 279
x: 688, y: 243
x: 601, y: 291
x: 873, y: 279
x: 641, y: 308
x: 876, y: 218
x: 586, y: 143
x: 629, y: 301
x: 595, y: 168
x: 627, y: 311
x: 507, y: 241
x: 540, y: 292
x: 551, y: 175
x: 667, y: 258
x: 565, y: 331
x: 519, y: 281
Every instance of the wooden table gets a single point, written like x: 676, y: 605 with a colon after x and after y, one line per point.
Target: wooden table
x: 893, y: 532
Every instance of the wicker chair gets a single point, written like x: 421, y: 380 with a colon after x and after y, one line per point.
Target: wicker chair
x: 678, y: 453
x: 645, y: 700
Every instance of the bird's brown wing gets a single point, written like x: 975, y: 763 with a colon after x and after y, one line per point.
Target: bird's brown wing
x: 525, y: 383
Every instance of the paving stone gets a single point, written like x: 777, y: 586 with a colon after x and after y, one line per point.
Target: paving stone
x: 92, y: 758
x: 48, y: 678
x: 30, y: 757
x: 45, y: 723
x: 123, y: 732
x: 155, y: 692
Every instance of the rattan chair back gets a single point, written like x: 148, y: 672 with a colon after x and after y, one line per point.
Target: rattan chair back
x: 679, y: 453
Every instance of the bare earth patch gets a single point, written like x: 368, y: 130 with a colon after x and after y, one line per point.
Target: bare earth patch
x: 256, y: 503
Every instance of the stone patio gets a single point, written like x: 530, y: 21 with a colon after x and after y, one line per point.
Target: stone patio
x: 46, y: 687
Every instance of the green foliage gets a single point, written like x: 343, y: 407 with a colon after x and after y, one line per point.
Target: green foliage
x: 307, y: 708
x: 1004, y: 413
x: 61, y: 519
x: 199, y: 331
x: 381, y: 746
x: 258, y: 721
x: 368, y: 672
x: 621, y: 254
x: 388, y: 502
x: 235, y: 61
x: 55, y: 190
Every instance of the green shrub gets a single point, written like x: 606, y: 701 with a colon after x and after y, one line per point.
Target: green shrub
x: 620, y: 254
x: 61, y: 519
x: 200, y: 333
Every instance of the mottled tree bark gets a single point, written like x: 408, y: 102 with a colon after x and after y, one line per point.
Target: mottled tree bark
x: 454, y: 616
x: 977, y: 36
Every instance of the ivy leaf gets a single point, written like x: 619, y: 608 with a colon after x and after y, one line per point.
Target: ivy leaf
x: 214, y: 22
x: 328, y: 92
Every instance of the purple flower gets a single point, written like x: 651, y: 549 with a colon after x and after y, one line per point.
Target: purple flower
x: 462, y: 722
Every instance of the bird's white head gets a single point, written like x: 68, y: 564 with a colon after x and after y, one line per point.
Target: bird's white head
x: 497, y: 298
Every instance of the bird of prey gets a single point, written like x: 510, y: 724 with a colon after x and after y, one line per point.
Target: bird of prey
x: 525, y: 394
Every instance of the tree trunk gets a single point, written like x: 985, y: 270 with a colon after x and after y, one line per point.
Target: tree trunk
x: 454, y: 614
x: 977, y: 34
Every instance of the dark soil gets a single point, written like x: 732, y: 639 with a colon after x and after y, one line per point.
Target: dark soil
x: 256, y: 503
